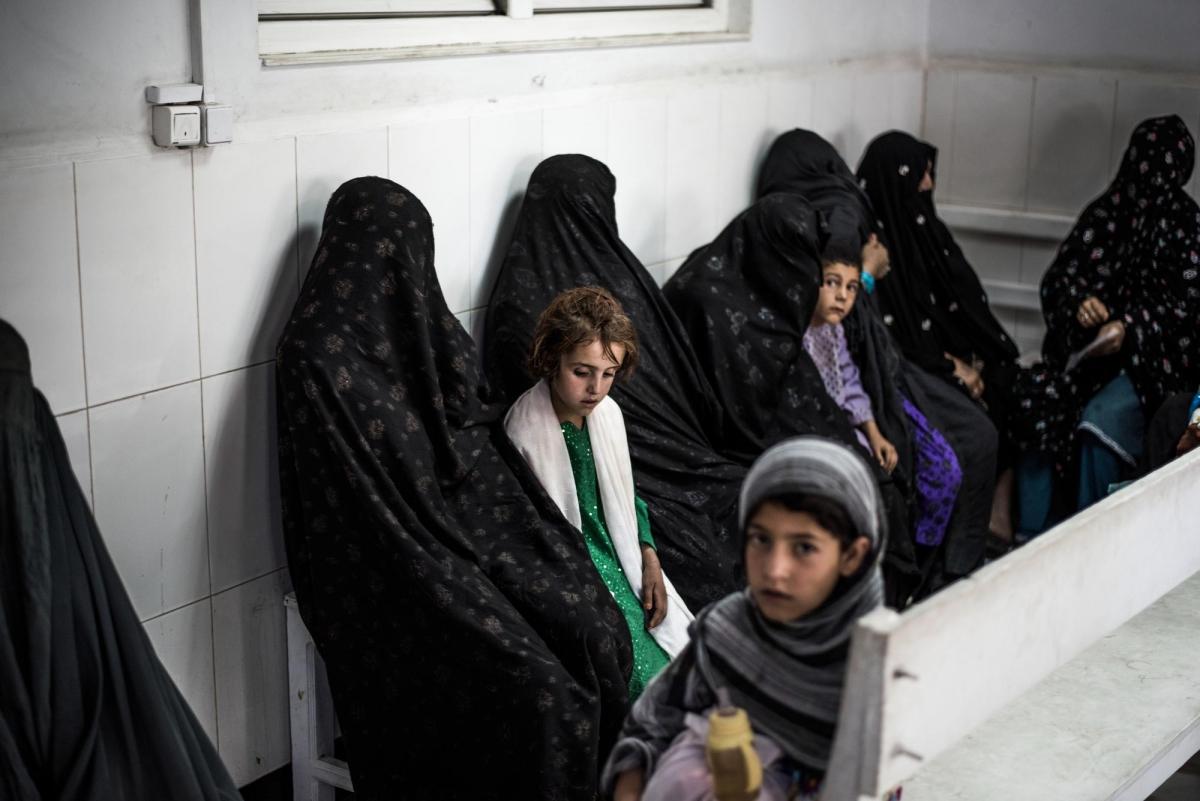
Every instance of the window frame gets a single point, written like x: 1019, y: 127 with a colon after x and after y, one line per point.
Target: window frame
x: 286, y: 41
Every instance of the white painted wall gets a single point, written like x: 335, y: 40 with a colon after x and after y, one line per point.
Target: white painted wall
x: 1148, y: 34
x: 1032, y: 102
x: 151, y: 285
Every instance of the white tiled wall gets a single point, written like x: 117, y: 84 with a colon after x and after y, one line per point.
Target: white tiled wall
x: 1032, y: 139
x: 153, y: 330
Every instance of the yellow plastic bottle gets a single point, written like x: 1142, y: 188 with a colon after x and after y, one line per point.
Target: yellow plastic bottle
x: 732, y: 761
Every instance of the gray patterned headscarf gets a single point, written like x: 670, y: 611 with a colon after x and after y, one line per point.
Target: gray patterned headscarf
x: 789, y: 676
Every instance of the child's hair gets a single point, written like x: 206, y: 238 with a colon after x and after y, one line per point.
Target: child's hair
x: 576, y: 317
x: 837, y: 252
x: 829, y: 515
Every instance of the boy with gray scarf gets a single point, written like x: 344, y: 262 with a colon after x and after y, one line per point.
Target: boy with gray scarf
x: 813, y: 525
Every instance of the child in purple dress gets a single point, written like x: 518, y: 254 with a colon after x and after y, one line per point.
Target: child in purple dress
x: 937, y: 473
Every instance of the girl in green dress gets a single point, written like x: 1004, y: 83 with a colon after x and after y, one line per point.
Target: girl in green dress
x: 573, y: 437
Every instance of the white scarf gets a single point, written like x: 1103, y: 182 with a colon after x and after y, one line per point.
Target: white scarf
x: 534, y: 428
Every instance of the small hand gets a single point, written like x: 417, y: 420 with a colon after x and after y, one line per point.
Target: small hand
x: 968, y: 375
x: 1112, y: 336
x: 885, y: 453
x: 1189, y: 440
x: 875, y: 258
x: 654, y: 589
x: 1092, y: 312
x: 629, y: 786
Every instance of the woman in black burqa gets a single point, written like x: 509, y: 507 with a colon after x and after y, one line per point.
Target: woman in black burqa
x: 933, y: 301
x: 472, y: 649
x: 1130, y: 269
x: 746, y: 299
x: 87, y: 711
x: 566, y: 236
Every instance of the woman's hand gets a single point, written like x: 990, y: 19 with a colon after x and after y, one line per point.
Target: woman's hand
x: 1091, y: 312
x: 654, y: 589
x: 875, y: 258
x: 1112, y: 336
x: 968, y: 375
x: 629, y: 786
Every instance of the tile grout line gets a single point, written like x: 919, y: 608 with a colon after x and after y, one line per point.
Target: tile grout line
x: 1029, y: 143
x: 165, y: 387
x: 209, y: 598
x: 87, y: 416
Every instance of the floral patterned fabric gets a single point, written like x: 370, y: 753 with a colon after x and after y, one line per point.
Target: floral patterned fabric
x: 457, y: 611
x: 1137, y: 248
x: 932, y: 300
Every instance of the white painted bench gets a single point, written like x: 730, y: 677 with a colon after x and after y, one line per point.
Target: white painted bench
x: 316, y: 773
x: 1070, y: 669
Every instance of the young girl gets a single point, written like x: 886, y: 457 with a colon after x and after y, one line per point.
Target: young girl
x: 825, y: 341
x: 812, y: 523
x: 573, y: 437
x: 937, y: 472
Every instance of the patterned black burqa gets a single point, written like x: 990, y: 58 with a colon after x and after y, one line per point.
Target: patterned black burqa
x: 566, y: 236
x: 932, y: 300
x: 87, y: 712
x: 801, y: 161
x: 1136, y: 247
x: 746, y: 300
x: 473, y: 651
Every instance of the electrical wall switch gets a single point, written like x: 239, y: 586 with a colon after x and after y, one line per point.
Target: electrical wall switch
x: 218, y: 123
x: 176, y: 126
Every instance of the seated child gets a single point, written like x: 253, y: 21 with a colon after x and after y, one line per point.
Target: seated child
x: 937, y: 473
x: 812, y: 521
x: 573, y: 437
x: 825, y: 341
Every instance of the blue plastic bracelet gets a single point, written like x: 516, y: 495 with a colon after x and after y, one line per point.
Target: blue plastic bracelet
x: 868, y: 282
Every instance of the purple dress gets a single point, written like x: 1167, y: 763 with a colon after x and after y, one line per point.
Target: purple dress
x: 937, y: 471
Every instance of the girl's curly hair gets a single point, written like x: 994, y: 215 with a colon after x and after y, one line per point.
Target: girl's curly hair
x: 576, y: 317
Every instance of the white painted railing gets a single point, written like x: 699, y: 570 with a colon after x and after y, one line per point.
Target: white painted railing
x: 919, y: 684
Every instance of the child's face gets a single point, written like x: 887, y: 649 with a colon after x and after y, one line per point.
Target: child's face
x: 793, y: 563
x: 584, y: 377
x: 839, y: 289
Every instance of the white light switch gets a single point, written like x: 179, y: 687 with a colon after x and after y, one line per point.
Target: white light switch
x: 176, y: 126
x: 218, y: 124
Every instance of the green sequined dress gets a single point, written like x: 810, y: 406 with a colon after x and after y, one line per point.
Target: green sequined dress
x: 648, y: 656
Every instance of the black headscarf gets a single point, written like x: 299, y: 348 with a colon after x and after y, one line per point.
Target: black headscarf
x: 457, y: 611
x: 803, y: 162
x: 1136, y: 247
x: 87, y: 711
x: 566, y: 236
x: 932, y: 301
x: 746, y: 299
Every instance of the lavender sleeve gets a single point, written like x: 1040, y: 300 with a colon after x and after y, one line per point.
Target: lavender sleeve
x: 855, y: 401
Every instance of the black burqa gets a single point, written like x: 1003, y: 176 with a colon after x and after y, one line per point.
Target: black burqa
x: 87, y: 711
x: 472, y: 649
x: 801, y: 161
x: 746, y: 299
x: 933, y: 301
x: 566, y: 236
x: 1136, y: 248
